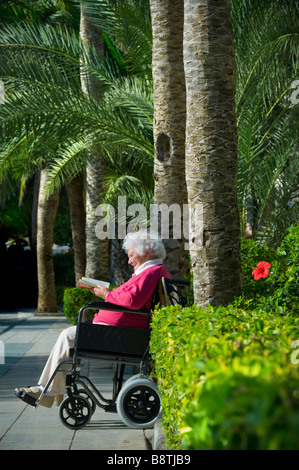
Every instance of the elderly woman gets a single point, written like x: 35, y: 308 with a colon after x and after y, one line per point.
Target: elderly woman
x: 146, y: 256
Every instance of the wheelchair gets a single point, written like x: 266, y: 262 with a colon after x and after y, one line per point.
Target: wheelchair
x: 136, y: 400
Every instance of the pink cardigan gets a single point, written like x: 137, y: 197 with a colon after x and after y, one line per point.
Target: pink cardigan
x: 133, y: 294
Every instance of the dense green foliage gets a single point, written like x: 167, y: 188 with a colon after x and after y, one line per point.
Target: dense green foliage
x: 229, y: 376
x: 266, y: 38
x: 279, y: 291
x: 73, y: 299
x: 226, y: 378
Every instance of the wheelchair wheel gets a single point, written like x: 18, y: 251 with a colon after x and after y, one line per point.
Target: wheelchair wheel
x: 133, y: 377
x: 85, y: 394
x: 75, y: 412
x: 138, y: 404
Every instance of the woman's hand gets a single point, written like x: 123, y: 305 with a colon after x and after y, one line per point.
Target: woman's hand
x: 100, y: 291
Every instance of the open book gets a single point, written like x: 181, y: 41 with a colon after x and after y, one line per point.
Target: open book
x: 89, y: 283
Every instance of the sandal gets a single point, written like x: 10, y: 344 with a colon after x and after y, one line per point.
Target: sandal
x: 31, y: 395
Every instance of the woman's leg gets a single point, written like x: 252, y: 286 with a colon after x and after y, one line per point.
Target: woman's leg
x: 60, y: 352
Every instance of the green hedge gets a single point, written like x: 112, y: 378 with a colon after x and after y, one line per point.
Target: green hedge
x: 73, y: 299
x: 226, y: 378
x: 226, y: 375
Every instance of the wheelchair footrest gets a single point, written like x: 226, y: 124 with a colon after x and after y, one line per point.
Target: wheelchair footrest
x: 26, y: 398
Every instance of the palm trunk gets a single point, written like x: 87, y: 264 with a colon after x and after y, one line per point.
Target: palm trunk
x: 211, y: 149
x: 121, y: 270
x: 33, y: 239
x: 47, y: 208
x: 34, y: 211
x: 97, y: 251
x: 169, y: 121
x: 75, y: 190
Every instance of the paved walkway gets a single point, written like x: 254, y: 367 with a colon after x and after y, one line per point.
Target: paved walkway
x: 27, y: 341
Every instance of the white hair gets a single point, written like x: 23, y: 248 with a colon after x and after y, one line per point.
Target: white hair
x: 142, y: 243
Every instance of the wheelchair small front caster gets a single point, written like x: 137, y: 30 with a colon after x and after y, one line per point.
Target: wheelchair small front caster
x: 138, y: 403
x: 85, y: 394
x: 75, y: 412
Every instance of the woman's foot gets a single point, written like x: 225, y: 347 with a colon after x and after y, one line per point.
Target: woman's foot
x: 31, y: 395
x: 58, y: 399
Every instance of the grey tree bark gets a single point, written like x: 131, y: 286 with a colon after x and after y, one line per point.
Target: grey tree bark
x: 47, y: 209
x: 75, y: 190
x: 97, y: 251
x: 169, y: 123
x: 211, y: 149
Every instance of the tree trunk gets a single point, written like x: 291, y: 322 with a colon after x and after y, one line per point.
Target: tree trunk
x: 47, y: 208
x: 169, y: 124
x: 33, y: 291
x: 97, y: 251
x: 211, y: 149
x: 34, y: 212
x: 121, y: 270
x: 75, y: 190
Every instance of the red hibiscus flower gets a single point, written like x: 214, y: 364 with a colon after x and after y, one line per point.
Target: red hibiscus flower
x: 261, y: 270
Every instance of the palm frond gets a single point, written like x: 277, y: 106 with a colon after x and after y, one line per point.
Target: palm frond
x: 127, y: 28
x: 267, y: 50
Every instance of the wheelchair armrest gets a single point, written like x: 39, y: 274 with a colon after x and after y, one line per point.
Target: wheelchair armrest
x: 180, y: 282
x: 114, y: 307
x: 101, y: 305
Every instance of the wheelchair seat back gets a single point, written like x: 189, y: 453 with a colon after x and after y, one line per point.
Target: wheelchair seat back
x: 112, y: 341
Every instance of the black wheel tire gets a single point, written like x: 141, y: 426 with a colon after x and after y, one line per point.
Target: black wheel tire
x: 138, y: 404
x: 85, y: 394
x: 75, y: 412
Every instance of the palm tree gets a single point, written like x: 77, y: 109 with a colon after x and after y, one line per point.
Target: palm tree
x: 47, y: 208
x: 66, y: 120
x: 75, y: 190
x: 169, y: 124
x: 44, y: 208
x: 17, y: 166
x: 211, y: 149
x: 97, y: 255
